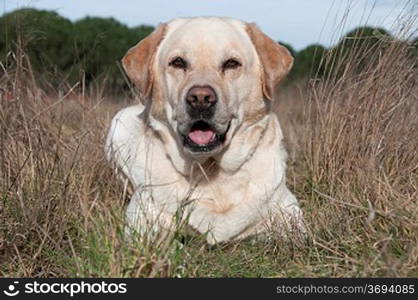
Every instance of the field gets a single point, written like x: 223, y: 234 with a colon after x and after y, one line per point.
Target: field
x: 352, y: 139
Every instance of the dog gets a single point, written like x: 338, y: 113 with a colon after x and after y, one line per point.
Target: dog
x: 203, y: 138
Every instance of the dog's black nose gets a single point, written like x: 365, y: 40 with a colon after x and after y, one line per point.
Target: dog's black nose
x: 201, y: 98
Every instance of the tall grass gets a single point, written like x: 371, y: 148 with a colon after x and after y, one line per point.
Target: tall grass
x: 361, y: 158
x: 353, y: 140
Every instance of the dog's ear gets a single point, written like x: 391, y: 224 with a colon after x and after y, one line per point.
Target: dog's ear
x: 137, y: 62
x: 276, y: 60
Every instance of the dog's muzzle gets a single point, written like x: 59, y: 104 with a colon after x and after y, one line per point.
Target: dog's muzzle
x: 204, y: 137
x: 201, y: 102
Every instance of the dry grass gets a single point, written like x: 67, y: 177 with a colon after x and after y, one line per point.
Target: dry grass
x: 357, y: 169
x: 353, y: 140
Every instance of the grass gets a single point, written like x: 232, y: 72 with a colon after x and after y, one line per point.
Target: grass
x: 353, y: 164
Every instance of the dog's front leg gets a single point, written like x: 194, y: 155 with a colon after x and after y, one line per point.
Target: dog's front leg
x: 144, y: 218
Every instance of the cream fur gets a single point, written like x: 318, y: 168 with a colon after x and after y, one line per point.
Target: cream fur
x: 248, y: 193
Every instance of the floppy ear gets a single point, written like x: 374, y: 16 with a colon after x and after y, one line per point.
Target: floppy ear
x: 137, y: 62
x: 276, y: 60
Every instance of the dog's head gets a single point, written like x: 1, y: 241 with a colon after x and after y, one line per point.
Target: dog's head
x: 206, y: 77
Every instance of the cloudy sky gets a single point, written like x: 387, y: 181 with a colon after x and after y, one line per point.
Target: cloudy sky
x: 297, y: 22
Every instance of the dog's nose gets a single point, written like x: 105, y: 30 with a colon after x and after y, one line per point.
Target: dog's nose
x: 201, y: 97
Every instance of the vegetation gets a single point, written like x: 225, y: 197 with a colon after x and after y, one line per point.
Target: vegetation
x: 63, y: 51
x: 351, y: 130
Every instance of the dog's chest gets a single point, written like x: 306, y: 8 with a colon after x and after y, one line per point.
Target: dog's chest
x: 210, y: 193
x: 222, y: 193
x: 207, y: 188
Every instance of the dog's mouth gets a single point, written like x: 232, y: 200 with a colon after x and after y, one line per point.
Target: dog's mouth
x: 203, y: 137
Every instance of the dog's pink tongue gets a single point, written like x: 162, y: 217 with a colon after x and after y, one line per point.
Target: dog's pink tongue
x: 201, y: 137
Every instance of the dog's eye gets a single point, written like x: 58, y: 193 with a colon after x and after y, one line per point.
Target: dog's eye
x: 178, y: 63
x: 230, y: 64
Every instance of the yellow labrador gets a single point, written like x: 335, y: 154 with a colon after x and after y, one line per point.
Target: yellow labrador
x: 204, y: 139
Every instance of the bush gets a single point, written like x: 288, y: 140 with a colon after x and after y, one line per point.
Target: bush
x: 62, y: 52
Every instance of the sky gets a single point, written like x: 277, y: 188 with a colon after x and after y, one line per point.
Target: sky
x: 296, y: 22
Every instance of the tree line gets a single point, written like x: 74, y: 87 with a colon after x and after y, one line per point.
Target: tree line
x: 62, y: 52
